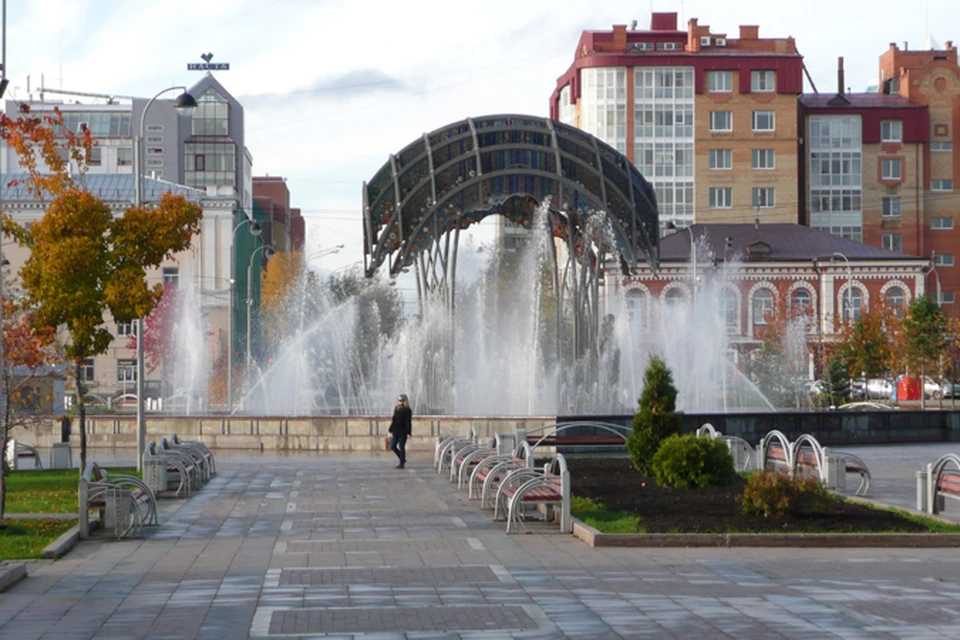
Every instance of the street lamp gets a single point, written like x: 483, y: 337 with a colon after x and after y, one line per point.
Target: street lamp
x: 933, y: 270
x: 849, y: 296
x: 184, y: 104
x: 693, y: 259
x: 268, y: 253
x: 255, y: 230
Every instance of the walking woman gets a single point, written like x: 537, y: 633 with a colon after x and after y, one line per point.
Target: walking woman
x: 400, y: 428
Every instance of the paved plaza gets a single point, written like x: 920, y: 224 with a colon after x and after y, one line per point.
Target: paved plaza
x: 349, y: 547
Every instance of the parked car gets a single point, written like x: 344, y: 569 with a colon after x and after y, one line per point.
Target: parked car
x: 934, y: 388
x: 881, y: 388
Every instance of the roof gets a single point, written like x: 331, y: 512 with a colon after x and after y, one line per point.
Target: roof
x: 108, y: 187
x: 856, y: 101
x: 787, y: 243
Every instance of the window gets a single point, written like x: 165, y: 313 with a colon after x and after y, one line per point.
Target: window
x: 762, y: 306
x: 211, y: 117
x: 154, y: 128
x: 761, y: 158
x: 640, y: 46
x: 209, y: 163
x: 762, y: 197
x: 721, y: 121
x: 95, y: 157
x: 730, y: 315
x: 720, y: 81
x: 764, y: 121
x: 800, y: 304
x: 854, y: 298
x: 102, y: 124
x: 124, y: 156
x: 86, y: 370
x: 891, y: 206
x: 943, y: 260
x: 941, y: 185
x: 154, y: 139
x: 892, y: 241
x: 945, y: 297
x: 171, y: 275
x: 669, y: 46
x: 126, y: 328
x: 762, y: 81
x: 64, y: 154
x: 891, y: 169
x: 674, y: 298
x: 721, y: 158
x: 154, y: 162
x: 721, y: 197
x: 896, y: 300
x: 891, y: 131
x: 634, y: 304
x: 836, y: 175
x: 154, y: 151
x: 126, y: 370
x: 941, y: 223
x: 941, y: 146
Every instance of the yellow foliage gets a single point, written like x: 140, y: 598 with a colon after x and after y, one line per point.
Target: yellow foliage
x: 281, y: 274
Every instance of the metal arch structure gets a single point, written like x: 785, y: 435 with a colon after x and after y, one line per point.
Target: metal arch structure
x: 417, y: 204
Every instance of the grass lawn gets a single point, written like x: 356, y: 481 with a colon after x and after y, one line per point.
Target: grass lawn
x: 53, y: 491
x: 22, y: 539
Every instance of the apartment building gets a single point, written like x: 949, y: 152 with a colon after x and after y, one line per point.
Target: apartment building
x: 710, y: 120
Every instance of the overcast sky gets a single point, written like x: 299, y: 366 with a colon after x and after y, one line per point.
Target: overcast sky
x: 330, y: 87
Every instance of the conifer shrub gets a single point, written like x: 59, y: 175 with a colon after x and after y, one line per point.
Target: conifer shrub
x: 772, y: 494
x: 657, y: 418
x: 692, y: 462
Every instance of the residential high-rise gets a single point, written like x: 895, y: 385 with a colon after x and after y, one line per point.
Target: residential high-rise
x: 710, y: 121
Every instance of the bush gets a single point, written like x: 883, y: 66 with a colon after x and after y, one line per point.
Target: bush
x: 692, y: 462
x: 657, y: 418
x: 777, y: 494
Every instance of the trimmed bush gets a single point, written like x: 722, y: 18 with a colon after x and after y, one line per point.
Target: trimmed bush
x: 777, y: 494
x: 691, y: 462
x: 657, y: 418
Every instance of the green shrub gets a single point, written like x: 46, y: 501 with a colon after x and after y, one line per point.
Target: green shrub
x: 776, y: 494
x: 657, y: 418
x: 691, y: 462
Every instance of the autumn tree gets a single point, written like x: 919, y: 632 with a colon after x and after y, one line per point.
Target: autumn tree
x: 159, y: 330
x: 281, y: 276
x: 27, y: 350
x: 868, y: 346
x: 925, y: 331
x: 83, y: 259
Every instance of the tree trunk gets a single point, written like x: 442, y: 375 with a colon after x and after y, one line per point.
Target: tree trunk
x: 81, y: 411
x: 5, y: 430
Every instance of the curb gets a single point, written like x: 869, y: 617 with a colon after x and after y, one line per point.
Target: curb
x: 11, y: 574
x: 595, y: 538
x: 64, y: 543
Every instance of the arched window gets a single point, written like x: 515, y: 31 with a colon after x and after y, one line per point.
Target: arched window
x: 896, y: 300
x: 800, y: 303
x: 674, y: 298
x: 730, y: 316
x: 762, y: 306
x: 634, y: 303
x: 854, y: 298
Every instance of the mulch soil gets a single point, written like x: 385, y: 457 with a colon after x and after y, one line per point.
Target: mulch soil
x: 618, y: 486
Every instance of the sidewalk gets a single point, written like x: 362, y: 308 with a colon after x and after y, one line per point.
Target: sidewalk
x: 348, y: 546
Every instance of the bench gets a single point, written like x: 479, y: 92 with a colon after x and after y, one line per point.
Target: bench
x: 467, y: 456
x: 124, y: 503
x: 201, y: 472
x: 165, y: 471
x: 571, y: 434
x: 938, y: 482
x: 201, y: 448
x: 806, y: 457
x: 526, y: 487
x: 16, y: 451
x: 488, y: 473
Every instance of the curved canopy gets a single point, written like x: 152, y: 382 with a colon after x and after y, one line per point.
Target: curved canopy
x: 504, y: 164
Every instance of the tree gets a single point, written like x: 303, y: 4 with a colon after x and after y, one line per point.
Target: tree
x: 657, y: 418
x: 281, y: 275
x: 159, y: 330
x: 925, y: 329
x: 27, y: 349
x: 868, y: 347
x: 84, y: 260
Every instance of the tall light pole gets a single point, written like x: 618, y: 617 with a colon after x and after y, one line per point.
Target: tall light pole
x: 727, y: 245
x: 849, y: 296
x: 255, y: 230
x: 933, y: 270
x: 268, y: 252
x: 185, y: 104
x: 3, y: 87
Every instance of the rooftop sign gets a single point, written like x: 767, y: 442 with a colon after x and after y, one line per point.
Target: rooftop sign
x: 206, y: 65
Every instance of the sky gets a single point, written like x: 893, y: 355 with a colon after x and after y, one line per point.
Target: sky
x: 331, y: 87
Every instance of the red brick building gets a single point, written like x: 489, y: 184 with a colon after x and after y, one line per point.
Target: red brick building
x: 286, y: 230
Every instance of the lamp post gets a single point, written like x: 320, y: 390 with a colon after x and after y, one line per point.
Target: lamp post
x: 185, y: 104
x: 727, y: 245
x: 933, y: 270
x: 255, y: 230
x: 268, y: 252
x: 849, y: 296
